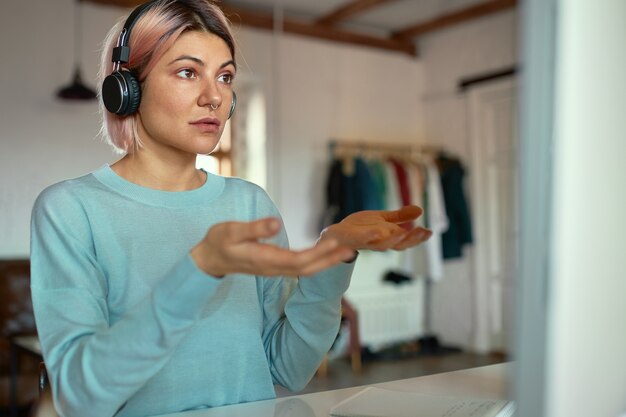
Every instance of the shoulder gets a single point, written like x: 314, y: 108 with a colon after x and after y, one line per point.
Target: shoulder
x: 239, y: 184
x: 63, y: 193
x: 65, y: 199
x: 252, y: 202
x: 249, y: 196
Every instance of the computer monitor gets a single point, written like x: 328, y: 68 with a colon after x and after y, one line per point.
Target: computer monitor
x: 571, y: 325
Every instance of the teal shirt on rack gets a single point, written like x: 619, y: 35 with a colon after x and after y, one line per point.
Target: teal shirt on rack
x: 129, y: 326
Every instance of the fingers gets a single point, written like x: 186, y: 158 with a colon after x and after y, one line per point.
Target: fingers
x: 386, y: 232
x: 238, y: 247
x: 403, y: 215
x: 319, y: 257
x: 254, y: 230
x: 388, y: 240
x: 270, y: 260
x: 400, y: 239
x: 327, y: 260
x: 350, y: 236
x: 415, y: 237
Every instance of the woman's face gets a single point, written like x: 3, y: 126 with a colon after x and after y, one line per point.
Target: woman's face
x: 175, y: 113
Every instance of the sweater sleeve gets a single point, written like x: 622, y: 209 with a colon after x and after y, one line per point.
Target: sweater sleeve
x: 301, y: 320
x: 92, y: 363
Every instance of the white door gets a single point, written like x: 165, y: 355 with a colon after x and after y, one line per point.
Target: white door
x: 494, y: 180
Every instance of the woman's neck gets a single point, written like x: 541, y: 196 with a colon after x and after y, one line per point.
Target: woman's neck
x: 147, y: 169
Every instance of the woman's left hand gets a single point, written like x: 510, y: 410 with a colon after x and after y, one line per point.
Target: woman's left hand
x: 378, y: 230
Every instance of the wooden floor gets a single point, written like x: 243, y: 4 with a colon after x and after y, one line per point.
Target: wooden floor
x: 340, y: 374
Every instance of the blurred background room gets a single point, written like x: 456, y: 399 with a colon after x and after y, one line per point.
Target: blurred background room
x: 342, y: 105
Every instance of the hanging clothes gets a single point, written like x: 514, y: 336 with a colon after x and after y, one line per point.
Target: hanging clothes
x: 417, y: 256
x: 459, y: 232
x: 388, y: 183
x: 401, y: 177
x: 437, y: 220
x: 399, y: 183
x: 367, y: 193
x: 334, y: 194
x: 403, y: 186
x: 393, y: 201
x: 378, y: 173
x: 350, y: 187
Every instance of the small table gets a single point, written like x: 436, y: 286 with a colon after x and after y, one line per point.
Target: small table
x: 21, y: 345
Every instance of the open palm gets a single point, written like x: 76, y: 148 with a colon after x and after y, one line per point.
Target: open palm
x: 378, y: 230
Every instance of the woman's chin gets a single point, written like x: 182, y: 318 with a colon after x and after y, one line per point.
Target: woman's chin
x: 205, y: 147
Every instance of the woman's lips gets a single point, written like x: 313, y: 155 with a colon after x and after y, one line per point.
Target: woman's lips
x: 207, y: 125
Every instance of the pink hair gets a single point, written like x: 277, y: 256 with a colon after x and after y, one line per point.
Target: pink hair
x: 151, y: 36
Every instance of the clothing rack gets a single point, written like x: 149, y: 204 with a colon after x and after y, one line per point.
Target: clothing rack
x: 354, y: 147
x: 428, y: 343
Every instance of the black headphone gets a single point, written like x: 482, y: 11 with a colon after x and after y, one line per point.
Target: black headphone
x: 121, y: 92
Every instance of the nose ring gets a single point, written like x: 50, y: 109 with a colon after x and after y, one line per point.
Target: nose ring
x: 214, y: 107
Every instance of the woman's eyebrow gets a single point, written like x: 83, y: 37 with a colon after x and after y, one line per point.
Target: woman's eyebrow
x: 187, y: 57
x: 227, y: 63
x: 201, y: 62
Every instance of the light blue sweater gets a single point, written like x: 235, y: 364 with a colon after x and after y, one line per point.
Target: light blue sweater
x: 129, y: 325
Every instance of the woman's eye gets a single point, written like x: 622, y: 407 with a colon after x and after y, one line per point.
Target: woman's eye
x: 226, y: 78
x: 186, y: 73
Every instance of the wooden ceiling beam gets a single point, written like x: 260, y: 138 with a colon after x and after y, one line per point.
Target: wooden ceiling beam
x: 266, y: 21
x: 463, y: 15
x: 350, y: 9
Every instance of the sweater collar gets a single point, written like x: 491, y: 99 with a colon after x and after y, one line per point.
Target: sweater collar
x: 212, y: 187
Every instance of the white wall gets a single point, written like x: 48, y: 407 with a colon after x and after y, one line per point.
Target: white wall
x: 466, y: 50
x: 315, y: 91
x: 43, y: 140
x: 318, y: 91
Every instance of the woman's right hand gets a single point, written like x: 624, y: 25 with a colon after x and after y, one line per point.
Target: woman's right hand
x: 236, y: 247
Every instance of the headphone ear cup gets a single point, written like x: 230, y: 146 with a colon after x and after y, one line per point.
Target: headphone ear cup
x: 121, y: 93
x: 114, y: 92
x: 232, y: 105
x: 134, y: 93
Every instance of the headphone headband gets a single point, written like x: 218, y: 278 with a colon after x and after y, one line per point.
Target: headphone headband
x: 121, y: 53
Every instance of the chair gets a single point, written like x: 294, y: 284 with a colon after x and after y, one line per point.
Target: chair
x: 349, y: 314
x: 44, y: 383
x: 17, y: 371
x: 44, y: 406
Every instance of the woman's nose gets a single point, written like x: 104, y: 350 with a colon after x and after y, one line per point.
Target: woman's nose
x: 210, y: 96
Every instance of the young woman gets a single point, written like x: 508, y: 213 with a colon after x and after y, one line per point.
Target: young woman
x: 158, y: 287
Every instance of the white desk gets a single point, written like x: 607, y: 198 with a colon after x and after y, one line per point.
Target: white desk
x: 484, y: 382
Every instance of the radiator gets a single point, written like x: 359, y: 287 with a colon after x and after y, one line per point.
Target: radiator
x: 387, y: 313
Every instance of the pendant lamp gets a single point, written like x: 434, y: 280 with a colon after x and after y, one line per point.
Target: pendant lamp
x: 77, y: 90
